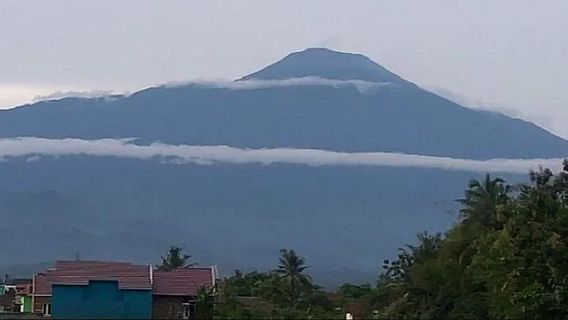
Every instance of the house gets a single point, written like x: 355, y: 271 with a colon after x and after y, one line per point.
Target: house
x: 15, y: 295
x: 175, y: 291
x: 23, y: 294
x: 112, y: 290
x: 93, y: 289
x: 7, y: 298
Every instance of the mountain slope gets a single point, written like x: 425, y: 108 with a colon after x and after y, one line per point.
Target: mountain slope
x: 397, y: 116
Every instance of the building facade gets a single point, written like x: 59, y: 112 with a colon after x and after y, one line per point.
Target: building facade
x: 78, y: 289
x: 100, y: 300
x: 118, y: 290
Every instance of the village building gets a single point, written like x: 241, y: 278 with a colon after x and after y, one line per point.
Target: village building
x: 174, y: 292
x: 15, y: 295
x: 95, y: 289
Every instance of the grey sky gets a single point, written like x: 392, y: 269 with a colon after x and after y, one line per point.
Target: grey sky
x: 508, y: 55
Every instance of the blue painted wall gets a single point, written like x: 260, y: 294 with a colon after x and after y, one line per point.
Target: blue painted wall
x: 100, y: 300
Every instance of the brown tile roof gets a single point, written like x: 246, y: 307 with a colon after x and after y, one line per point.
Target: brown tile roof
x: 129, y: 276
x: 183, y: 282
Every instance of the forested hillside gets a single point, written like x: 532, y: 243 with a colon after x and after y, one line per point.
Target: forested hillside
x: 506, y: 259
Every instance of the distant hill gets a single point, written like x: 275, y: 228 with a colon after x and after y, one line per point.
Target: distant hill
x: 344, y: 219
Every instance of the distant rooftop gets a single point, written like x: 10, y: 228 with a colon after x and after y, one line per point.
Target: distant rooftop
x: 127, y: 275
x: 182, y: 282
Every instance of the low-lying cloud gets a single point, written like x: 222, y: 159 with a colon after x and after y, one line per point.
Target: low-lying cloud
x: 363, y: 86
x: 79, y: 94
x: 207, y: 155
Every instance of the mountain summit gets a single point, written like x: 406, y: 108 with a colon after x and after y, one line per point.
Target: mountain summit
x: 326, y: 63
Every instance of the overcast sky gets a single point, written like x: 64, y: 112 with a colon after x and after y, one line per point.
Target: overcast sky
x: 507, y: 55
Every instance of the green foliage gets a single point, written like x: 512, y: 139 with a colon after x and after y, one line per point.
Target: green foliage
x: 353, y: 292
x: 205, y: 304
x: 175, y: 259
x: 292, y: 279
x: 507, y: 258
x: 285, y: 293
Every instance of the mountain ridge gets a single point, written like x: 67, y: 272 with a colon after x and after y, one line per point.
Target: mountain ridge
x: 405, y: 119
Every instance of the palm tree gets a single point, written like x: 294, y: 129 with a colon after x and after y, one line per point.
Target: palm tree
x: 175, y: 259
x: 482, y: 199
x: 428, y: 246
x: 290, y: 269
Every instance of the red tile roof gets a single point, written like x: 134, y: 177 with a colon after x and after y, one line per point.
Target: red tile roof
x: 179, y: 282
x: 183, y: 282
x: 129, y: 276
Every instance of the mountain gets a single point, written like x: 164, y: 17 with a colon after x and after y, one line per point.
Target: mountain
x: 329, y: 64
x: 344, y: 219
x: 394, y: 115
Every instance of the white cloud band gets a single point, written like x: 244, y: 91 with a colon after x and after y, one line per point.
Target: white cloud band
x: 363, y: 86
x: 186, y: 154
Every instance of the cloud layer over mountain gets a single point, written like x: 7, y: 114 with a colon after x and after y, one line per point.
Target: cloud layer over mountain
x: 206, y: 155
x: 361, y: 85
